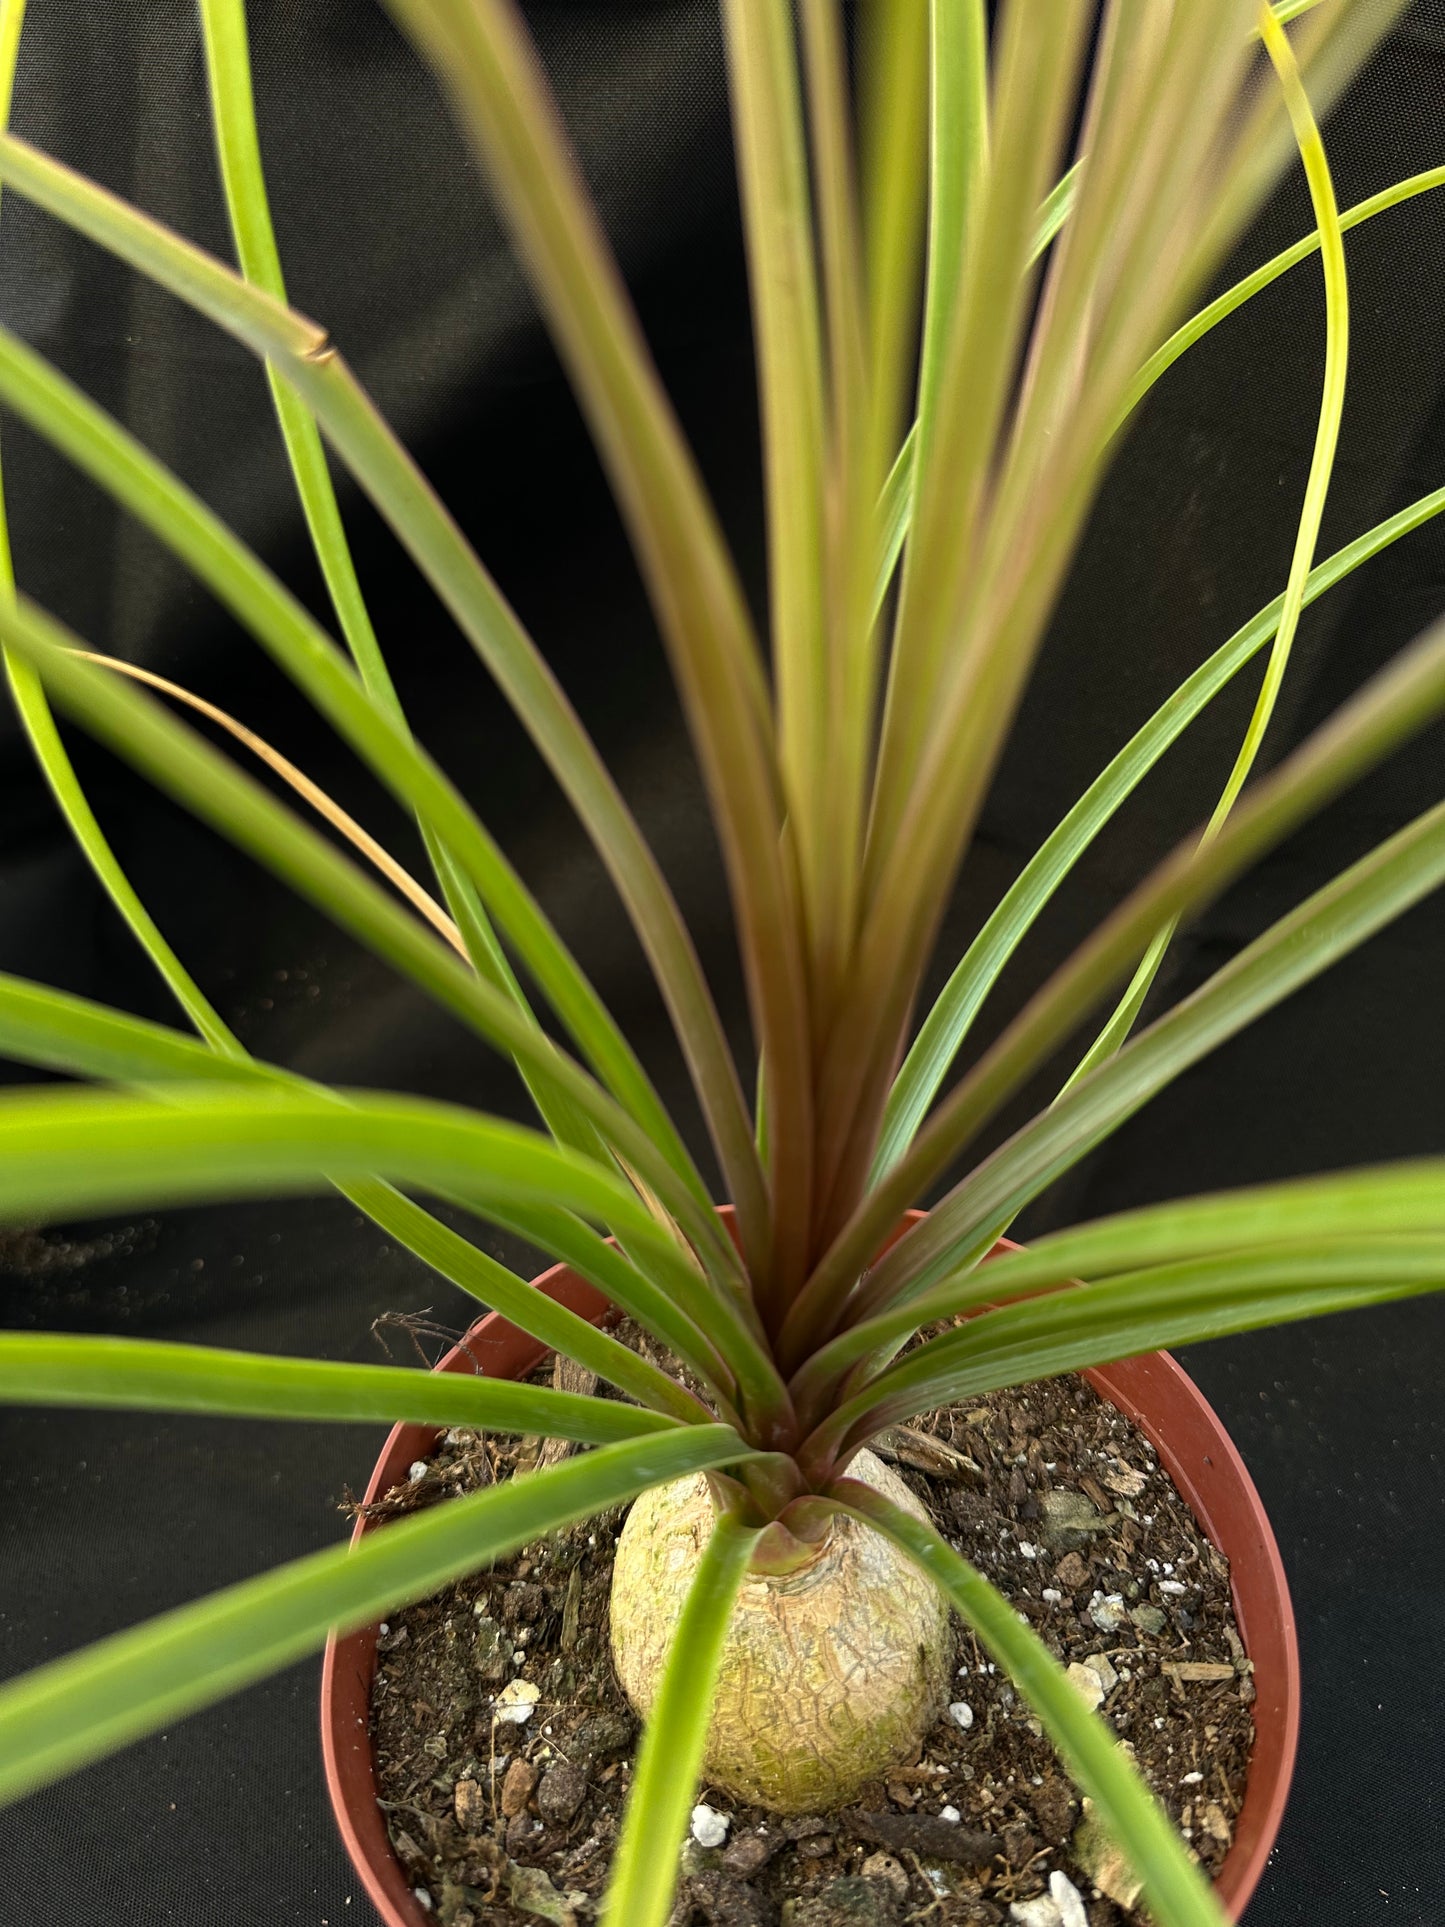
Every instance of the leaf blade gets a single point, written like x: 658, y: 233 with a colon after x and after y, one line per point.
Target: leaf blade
x: 1145, y: 1311
x: 395, y: 483
x: 137, y: 1374
x: 119, y: 463
x: 1395, y: 704
x: 1312, y: 508
x: 951, y: 1018
x: 1382, y: 1202
x: 1324, y: 927
x: 180, y: 763
x: 81, y: 1707
x: 71, y: 1034
x: 654, y: 1823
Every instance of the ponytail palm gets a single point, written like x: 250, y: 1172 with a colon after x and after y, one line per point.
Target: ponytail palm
x: 1011, y: 229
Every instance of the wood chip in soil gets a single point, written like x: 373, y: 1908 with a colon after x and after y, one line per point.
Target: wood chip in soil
x: 1057, y: 1497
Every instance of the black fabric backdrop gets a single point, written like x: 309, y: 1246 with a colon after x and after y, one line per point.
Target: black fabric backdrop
x: 388, y: 236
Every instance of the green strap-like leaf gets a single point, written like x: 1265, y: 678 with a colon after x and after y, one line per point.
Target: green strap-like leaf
x: 1385, y: 1202
x: 1176, y: 1890
x: 958, y: 156
x: 137, y: 1374
x: 402, y: 495
x: 1148, y: 1310
x: 175, y: 758
x: 859, y: 433
x: 1327, y: 433
x: 61, y: 1032
x: 951, y: 1018
x: 654, y: 1825
x: 481, y: 51
x: 59, y: 772
x: 895, y: 507
x: 777, y: 207
x: 1269, y: 271
x: 82, y: 1707
x: 891, y: 49
x: 74, y: 1150
x: 67, y: 1152
x: 934, y: 645
x: 1324, y: 928
x: 1400, y: 700
x: 493, y: 1284
x: 118, y: 462
x: 451, y: 1255
x: 70, y: 1152
x: 238, y: 148
x: 977, y: 314
x: 895, y: 504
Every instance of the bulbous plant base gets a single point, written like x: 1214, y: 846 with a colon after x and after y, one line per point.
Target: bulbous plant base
x: 830, y: 1675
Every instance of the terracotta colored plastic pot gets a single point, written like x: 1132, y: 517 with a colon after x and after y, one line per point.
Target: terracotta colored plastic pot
x: 1153, y: 1391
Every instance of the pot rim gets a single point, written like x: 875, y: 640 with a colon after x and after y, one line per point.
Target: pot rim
x: 1192, y: 1446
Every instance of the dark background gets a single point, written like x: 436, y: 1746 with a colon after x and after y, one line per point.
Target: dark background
x: 388, y: 236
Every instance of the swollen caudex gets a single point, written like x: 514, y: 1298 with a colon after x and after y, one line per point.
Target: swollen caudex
x: 830, y: 1675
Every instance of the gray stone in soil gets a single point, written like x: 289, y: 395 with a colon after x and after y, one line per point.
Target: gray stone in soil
x: 1100, y: 1665
x: 726, y: 1903
x: 492, y: 1651
x: 1067, y: 1520
x: 599, y: 1738
x: 531, y: 1892
x: 849, y: 1902
x: 1149, y: 1619
x: 747, y: 1855
x: 560, y: 1793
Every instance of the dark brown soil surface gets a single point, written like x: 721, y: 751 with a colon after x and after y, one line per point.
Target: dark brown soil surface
x: 1053, y: 1494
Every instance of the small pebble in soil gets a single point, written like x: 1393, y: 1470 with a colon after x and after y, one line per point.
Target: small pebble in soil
x: 1107, y: 1611
x: 561, y: 1792
x: 849, y: 1902
x: 961, y: 1713
x: 709, y: 1827
x: 884, y: 1871
x: 1099, y: 1665
x: 1069, y: 1901
x: 470, y: 1806
x: 1038, y: 1912
x: 517, y: 1702
x: 747, y: 1855
x: 1087, y: 1684
x: 521, y: 1777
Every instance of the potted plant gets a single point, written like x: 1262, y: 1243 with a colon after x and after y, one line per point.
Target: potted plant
x: 910, y: 577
